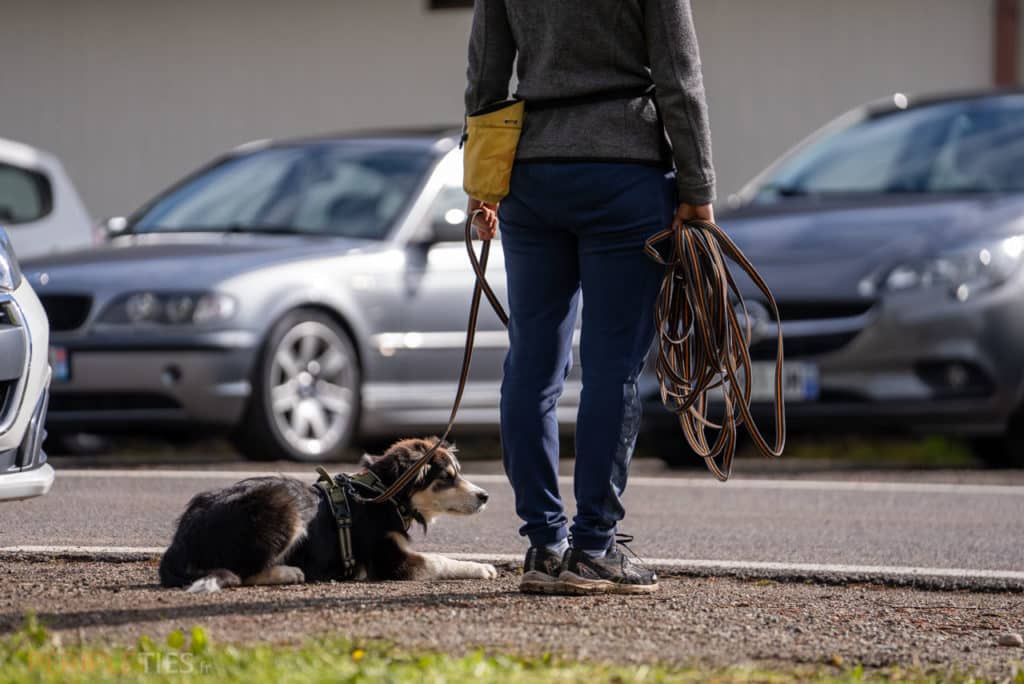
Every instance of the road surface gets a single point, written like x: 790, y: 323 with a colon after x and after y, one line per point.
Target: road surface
x: 846, y: 520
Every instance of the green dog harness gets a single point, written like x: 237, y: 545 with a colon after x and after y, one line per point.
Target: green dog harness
x: 340, y: 491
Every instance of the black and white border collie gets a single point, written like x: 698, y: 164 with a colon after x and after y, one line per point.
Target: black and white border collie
x: 279, y: 530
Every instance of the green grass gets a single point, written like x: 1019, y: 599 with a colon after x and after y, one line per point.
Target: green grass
x: 34, y: 655
x: 833, y: 450
x: 929, y: 452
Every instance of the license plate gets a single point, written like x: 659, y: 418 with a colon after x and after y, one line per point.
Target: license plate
x: 799, y: 381
x: 60, y: 364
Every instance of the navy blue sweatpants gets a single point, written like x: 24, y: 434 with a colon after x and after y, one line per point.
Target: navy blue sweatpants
x: 567, y: 229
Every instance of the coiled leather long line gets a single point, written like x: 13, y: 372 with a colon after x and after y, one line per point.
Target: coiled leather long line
x: 701, y: 346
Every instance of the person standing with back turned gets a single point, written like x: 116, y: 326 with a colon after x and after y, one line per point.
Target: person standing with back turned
x: 604, y: 80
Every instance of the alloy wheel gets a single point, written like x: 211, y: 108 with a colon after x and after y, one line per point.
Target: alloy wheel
x: 312, y: 387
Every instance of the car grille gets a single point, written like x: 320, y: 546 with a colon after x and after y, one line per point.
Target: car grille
x: 66, y: 312
x: 30, y: 453
x: 841, y: 396
x: 806, y: 345
x: 14, y: 360
x: 7, y: 388
x: 823, y: 310
x: 801, y: 347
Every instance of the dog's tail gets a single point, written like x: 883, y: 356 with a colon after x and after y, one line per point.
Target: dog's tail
x: 174, y: 572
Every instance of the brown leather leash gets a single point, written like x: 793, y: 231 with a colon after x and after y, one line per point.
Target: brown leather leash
x: 482, y: 288
x: 702, y: 346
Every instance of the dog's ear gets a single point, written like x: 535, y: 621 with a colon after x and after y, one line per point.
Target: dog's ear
x: 404, y: 454
x: 392, y: 462
x: 367, y: 461
x: 427, y: 443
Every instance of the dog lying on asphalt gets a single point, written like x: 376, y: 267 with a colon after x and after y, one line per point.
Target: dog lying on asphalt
x: 278, y: 530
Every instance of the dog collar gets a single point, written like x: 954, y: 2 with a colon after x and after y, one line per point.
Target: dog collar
x: 367, y: 479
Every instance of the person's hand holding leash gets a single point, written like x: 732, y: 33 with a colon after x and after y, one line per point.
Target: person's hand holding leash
x: 693, y: 212
x: 486, y: 224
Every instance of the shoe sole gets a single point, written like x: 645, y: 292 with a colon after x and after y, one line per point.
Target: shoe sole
x: 571, y: 583
x: 536, y: 582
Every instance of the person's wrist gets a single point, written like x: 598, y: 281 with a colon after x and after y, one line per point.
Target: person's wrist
x: 694, y: 212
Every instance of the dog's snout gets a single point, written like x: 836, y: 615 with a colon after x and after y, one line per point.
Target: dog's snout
x: 482, y: 496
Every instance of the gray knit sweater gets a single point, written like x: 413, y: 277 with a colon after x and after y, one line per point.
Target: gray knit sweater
x: 568, y: 48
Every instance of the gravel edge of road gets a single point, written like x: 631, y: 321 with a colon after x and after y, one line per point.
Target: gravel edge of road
x: 921, y: 581
x: 690, y: 622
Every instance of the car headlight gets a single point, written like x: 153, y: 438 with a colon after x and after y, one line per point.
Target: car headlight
x: 174, y: 308
x: 10, y: 273
x: 960, y: 272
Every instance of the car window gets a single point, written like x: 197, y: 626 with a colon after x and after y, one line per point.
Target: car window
x: 966, y: 146
x: 345, y: 188
x: 25, y: 195
x: 983, y: 150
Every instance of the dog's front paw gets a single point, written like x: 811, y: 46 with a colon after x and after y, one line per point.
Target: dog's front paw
x: 485, y: 570
x: 288, y: 574
x: 279, y: 574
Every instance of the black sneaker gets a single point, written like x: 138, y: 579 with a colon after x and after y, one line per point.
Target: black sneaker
x: 613, y: 573
x: 540, y: 571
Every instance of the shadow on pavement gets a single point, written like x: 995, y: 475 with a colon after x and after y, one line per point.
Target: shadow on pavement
x: 236, y: 605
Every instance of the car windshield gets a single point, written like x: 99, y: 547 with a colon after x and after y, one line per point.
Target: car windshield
x: 349, y: 188
x: 970, y: 146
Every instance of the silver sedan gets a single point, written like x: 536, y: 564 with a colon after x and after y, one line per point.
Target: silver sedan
x: 298, y: 294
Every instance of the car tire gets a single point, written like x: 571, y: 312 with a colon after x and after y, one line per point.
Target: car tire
x: 305, y: 392
x: 1006, y: 451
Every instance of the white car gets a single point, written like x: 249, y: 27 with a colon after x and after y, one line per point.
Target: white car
x: 39, y: 207
x: 24, y: 383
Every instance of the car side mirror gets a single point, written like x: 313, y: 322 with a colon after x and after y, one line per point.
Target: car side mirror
x: 451, y: 227
x: 114, y: 226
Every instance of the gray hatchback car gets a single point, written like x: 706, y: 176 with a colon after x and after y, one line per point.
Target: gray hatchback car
x: 893, y: 239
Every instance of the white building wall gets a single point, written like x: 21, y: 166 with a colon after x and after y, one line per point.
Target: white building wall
x: 775, y: 70
x: 133, y: 94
